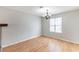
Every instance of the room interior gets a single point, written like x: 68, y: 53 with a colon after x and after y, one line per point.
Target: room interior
x: 39, y: 28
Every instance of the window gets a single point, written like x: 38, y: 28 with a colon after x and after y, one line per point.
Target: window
x: 56, y: 25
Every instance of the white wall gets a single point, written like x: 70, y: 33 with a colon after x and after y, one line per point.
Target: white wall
x: 70, y: 27
x: 20, y: 26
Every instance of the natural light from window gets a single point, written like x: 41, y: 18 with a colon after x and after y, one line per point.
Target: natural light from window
x: 56, y: 25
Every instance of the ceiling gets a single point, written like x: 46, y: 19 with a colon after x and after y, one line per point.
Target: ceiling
x: 36, y: 9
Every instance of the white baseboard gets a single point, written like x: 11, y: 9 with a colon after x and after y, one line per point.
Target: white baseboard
x: 61, y: 39
x: 36, y: 37
x: 21, y: 41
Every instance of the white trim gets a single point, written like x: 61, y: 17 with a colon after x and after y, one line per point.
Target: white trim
x: 20, y: 41
x: 61, y: 39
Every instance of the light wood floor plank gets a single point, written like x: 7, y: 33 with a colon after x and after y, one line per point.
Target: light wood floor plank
x: 43, y: 44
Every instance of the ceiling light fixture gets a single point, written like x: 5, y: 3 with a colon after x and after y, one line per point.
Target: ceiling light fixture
x: 45, y: 12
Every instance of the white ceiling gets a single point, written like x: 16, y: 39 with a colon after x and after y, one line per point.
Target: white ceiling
x: 36, y: 9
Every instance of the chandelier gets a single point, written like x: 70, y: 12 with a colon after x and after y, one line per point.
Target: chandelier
x: 46, y: 13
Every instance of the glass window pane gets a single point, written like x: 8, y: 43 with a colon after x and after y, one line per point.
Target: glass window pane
x: 52, y: 21
x: 58, y: 21
x: 52, y: 29
x: 58, y: 29
x: 56, y: 25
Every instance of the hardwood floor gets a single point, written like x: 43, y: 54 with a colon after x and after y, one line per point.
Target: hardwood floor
x: 43, y: 44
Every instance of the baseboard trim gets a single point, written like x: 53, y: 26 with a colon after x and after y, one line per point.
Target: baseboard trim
x: 60, y: 39
x: 14, y: 43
